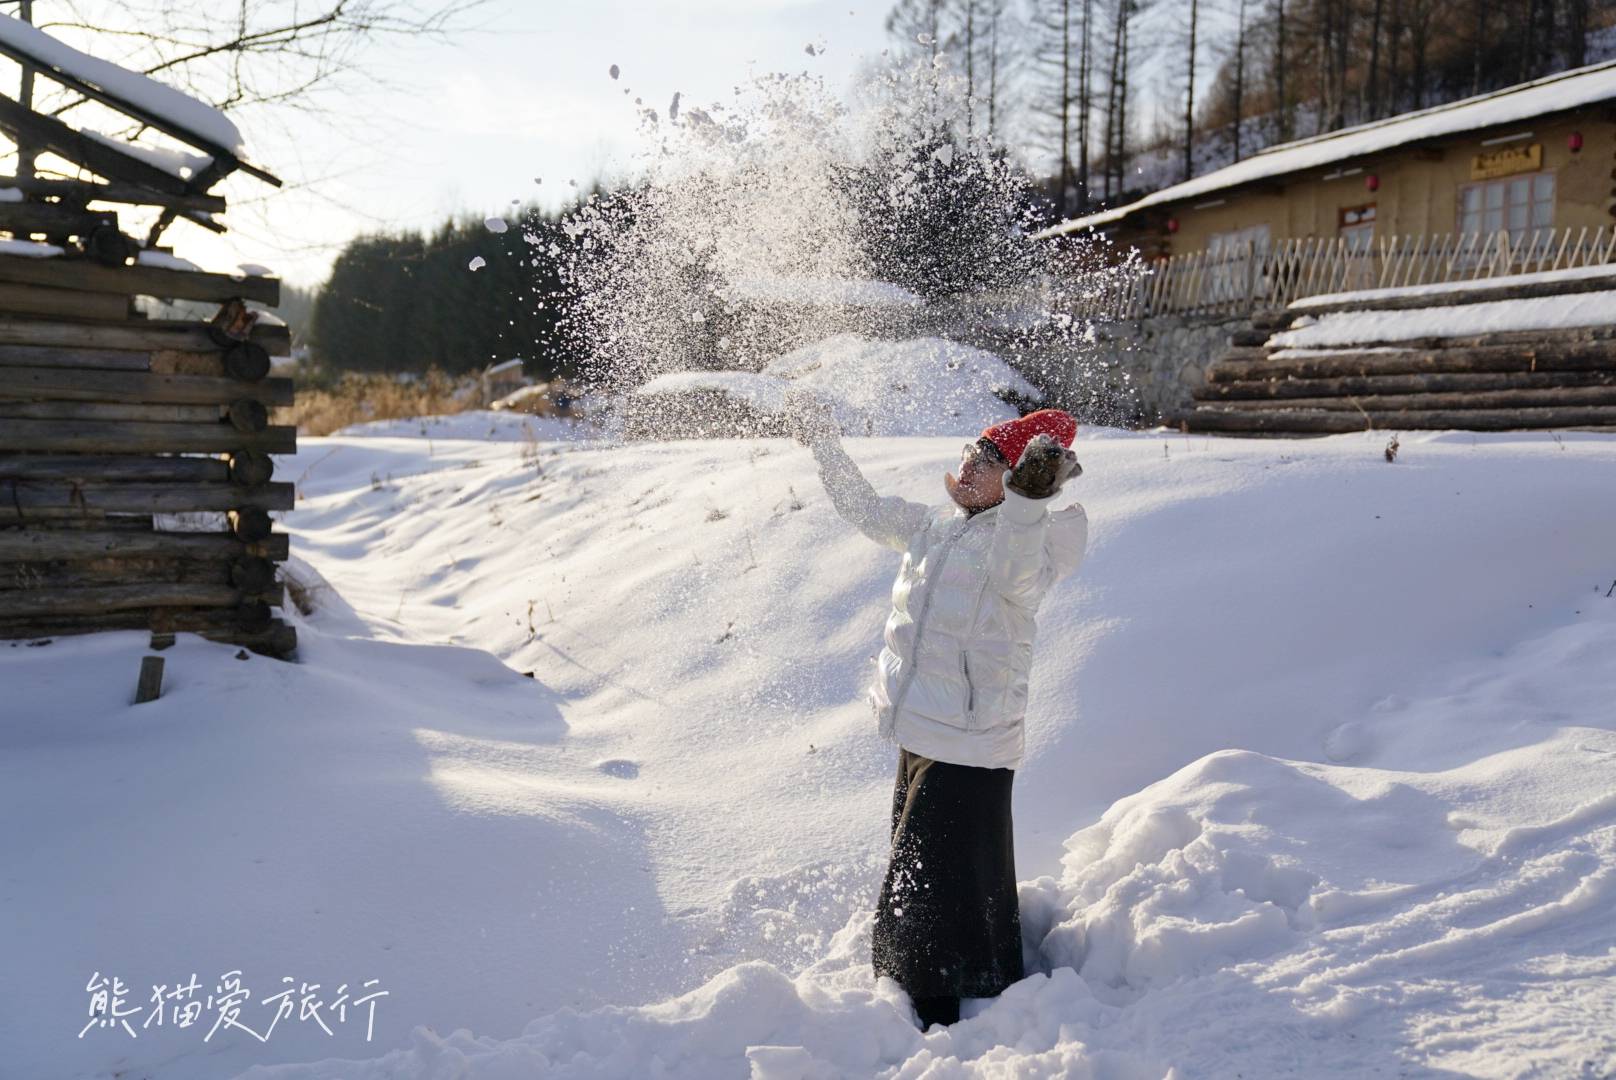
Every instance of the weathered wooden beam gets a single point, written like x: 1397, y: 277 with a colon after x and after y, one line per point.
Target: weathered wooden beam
x: 63, y: 303
x: 138, y: 280
x: 89, y: 191
x: 95, y: 599
x: 73, y: 358
x: 104, y: 410
x: 53, y: 219
x: 1287, y: 388
x: 43, y: 545
x: 1324, y: 422
x: 18, y: 498
x: 249, y: 468
x: 273, y: 638
x: 144, y: 335
x: 153, y: 388
x: 248, y: 415
x: 252, y: 524
x: 134, y: 437
x: 1315, y: 364
x: 51, y: 134
x: 61, y: 573
x: 149, y: 687
x: 82, y: 467
x: 1384, y: 405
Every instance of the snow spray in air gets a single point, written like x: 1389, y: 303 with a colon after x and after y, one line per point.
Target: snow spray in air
x: 786, y: 217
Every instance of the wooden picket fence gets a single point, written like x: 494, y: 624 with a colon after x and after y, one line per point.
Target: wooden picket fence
x: 1257, y: 278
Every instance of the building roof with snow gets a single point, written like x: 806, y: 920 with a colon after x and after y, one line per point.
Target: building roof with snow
x: 1555, y: 94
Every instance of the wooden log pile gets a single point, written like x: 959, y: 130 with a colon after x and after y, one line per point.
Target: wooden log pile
x: 109, y: 422
x: 1559, y: 378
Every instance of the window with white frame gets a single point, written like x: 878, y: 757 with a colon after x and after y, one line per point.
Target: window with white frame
x: 1520, y: 204
x: 1356, y: 226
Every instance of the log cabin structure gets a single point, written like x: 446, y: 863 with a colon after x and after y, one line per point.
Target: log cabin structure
x: 136, y: 467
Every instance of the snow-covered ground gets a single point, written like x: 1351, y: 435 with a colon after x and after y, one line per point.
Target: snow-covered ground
x: 1319, y: 776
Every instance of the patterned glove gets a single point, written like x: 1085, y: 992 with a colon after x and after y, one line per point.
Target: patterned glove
x: 1044, y: 466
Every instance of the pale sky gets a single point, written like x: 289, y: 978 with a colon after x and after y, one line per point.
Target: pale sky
x: 469, y: 126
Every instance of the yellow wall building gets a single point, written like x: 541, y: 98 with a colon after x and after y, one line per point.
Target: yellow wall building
x: 1530, y: 157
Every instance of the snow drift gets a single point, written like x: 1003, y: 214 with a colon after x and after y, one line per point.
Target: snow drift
x: 1318, y: 778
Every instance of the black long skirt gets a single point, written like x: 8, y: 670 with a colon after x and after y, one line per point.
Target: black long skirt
x: 947, y: 922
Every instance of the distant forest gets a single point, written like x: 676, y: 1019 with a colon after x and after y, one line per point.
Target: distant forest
x: 456, y: 299
x: 1123, y: 97
x: 1103, y: 100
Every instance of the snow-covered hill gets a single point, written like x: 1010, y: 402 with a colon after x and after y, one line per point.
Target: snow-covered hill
x: 1319, y: 780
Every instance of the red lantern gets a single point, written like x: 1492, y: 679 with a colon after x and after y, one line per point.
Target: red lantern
x: 1574, y: 141
x: 1172, y: 224
x: 1372, y: 182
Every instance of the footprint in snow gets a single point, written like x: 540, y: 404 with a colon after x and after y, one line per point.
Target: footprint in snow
x: 622, y: 768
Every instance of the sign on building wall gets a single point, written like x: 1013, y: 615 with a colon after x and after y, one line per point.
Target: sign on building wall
x: 1506, y: 161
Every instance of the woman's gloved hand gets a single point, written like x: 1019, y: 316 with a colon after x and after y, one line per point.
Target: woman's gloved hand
x: 1044, y: 466
x: 808, y: 417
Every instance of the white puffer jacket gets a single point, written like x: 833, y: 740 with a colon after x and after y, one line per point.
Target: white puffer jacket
x: 951, y: 683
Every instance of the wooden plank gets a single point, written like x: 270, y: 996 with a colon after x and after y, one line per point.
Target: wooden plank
x: 89, y: 191
x: 149, y: 687
x: 272, y: 638
x: 62, y: 573
x: 147, y: 335
x: 1380, y: 404
x: 1325, y: 422
x: 22, y: 497
x: 139, y: 280
x: 52, y: 219
x: 1598, y: 355
x: 95, y: 599
x: 81, y: 467
x: 99, y: 410
x: 74, y: 358
x: 41, y: 545
x: 65, y: 384
x: 1274, y: 389
x: 134, y: 437
x: 49, y: 133
x: 63, y: 303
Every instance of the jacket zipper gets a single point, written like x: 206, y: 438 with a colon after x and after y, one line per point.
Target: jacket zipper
x: 970, y: 690
x: 920, y: 623
x: 965, y: 662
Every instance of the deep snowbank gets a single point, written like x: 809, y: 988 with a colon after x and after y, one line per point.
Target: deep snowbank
x: 920, y: 386
x: 1356, y: 715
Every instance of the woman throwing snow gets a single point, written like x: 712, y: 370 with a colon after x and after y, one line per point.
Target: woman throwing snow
x: 950, y: 689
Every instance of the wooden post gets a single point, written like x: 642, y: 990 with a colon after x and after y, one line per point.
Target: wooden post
x: 150, y: 686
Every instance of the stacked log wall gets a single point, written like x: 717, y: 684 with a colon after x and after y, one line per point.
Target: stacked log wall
x: 110, y: 421
x: 1495, y: 381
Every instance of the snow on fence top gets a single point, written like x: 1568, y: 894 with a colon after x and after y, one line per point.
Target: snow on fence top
x: 1555, y: 93
x: 207, y: 126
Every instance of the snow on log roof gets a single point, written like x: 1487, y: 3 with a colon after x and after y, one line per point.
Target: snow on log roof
x: 1514, y: 104
x: 210, y: 127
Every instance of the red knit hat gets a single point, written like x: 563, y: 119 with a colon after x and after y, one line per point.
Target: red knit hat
x: 1012, y: 436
